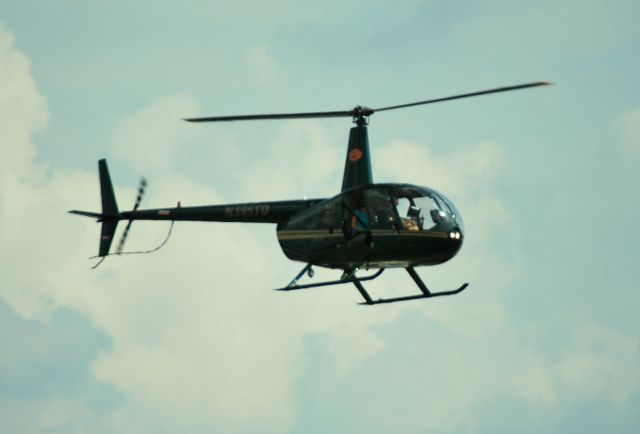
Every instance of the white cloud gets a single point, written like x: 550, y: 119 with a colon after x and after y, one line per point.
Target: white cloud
x: 198, y: 340
x: 597, y: 364
x: 24, y: 110
x: 184, y: 331
x: 148, y: 138
x: 601, y: 363
x: 629, y: 128
x: 457, y: 173
x: 301, y: 156
x: 212, y: 346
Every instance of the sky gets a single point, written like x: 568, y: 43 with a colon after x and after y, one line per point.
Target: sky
x: 193, y: 338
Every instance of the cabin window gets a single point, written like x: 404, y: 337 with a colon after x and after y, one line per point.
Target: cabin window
x: 323, y: 216
x: 380, y: 209
x: 419, y: 210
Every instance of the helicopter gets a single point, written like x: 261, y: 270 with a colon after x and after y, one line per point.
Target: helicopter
x: 370, y: 226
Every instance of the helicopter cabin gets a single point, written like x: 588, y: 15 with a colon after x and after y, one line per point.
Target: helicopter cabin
x: 386, y: 225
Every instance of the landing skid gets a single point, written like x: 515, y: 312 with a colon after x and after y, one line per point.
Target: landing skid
x: 349, y: 276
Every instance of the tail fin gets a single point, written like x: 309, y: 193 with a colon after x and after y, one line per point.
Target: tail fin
x: 110, y: 214
x: 106, y: 236
x: 109, y: 205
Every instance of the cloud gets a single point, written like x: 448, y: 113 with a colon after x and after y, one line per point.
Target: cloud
x: 24, y: 110
x: 429, y: 378
x: 457, y: 173
x: 24, y: 113
x: 196, y: 339
x: 596, y: 364
x: 197, y: 342
x: 600, y: 363
x: 188, y: 341
x: 301, y: 156
x: 628, y: 126
x: 148, y: 138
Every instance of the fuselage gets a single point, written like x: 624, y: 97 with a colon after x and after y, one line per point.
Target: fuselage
x: 377, y: 226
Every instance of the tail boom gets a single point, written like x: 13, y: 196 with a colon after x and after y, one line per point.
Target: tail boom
x: 252, y: 212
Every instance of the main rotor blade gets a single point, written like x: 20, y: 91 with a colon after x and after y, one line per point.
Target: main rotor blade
x: 334, y: 114
x: 465, y: 95
x: 358, y: 111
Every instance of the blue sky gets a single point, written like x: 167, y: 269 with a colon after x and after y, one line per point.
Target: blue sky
x: 192, y: 339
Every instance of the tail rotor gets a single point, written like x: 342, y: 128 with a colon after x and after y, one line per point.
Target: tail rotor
x: 110, y: 216
x: 141, y: 190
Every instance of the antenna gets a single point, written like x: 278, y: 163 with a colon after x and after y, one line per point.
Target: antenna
x: 295, y: 178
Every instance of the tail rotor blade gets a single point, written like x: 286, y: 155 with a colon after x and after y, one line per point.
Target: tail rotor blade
x: 141, y: 189
x: 124, y: 237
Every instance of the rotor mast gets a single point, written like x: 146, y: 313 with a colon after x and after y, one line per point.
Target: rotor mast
x: 357, y: 165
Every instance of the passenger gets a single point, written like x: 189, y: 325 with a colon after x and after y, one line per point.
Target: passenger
x: 359, y: 219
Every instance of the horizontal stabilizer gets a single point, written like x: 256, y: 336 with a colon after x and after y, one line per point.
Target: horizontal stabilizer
x: 87, y: 214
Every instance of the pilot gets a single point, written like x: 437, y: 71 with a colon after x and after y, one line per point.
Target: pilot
x: 408, y: 223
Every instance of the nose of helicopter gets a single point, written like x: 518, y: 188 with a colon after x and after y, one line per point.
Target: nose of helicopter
x: 456, y: 231
x: 450, y: 224
x: 456, y: 234
x: 453, y: 218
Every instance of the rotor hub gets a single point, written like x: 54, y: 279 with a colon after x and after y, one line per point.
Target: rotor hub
x: 361, y: 114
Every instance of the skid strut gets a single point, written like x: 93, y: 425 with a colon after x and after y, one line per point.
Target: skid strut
x: 423, y: 288
x: 349, y: 276
x: 306, y: 269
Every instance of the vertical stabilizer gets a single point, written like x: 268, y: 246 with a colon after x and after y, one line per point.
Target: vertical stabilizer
x: 357, y: 167
x: 110, y: 213
x: 106, y: 236
x: 109, y: 205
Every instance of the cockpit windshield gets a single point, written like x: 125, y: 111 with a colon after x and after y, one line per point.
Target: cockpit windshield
x: 419, y: 209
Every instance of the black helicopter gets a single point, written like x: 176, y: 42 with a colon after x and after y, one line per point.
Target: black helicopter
x: 366, y: 225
